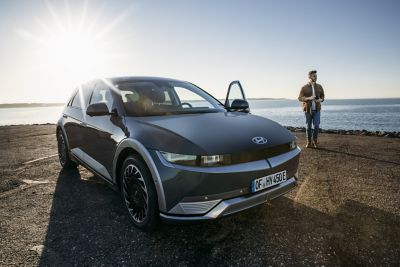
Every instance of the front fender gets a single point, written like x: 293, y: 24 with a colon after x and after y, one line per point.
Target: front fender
x: 144, y: 153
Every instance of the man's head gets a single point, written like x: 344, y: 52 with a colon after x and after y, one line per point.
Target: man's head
x: 312, y: 76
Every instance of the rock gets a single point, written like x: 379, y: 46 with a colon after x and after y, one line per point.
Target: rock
x: 382, y: 133
x: 38, y: 249
x: 390, y: 135
x: 35, y: 182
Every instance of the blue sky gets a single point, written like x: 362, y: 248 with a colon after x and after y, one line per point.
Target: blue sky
x: 268, y: 45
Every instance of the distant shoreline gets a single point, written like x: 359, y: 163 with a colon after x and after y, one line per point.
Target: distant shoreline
x: 30, y: 105
x: 386, y: 134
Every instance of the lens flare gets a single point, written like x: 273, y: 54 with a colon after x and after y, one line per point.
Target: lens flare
x: 75, y: 46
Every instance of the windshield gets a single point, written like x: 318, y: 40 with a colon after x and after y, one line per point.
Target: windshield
x: 149, y: 98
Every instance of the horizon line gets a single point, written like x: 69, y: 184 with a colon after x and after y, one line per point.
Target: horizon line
x: 249, y: 98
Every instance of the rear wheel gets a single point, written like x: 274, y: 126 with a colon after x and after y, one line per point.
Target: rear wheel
x: 139, y: 194
x: 63, y: 154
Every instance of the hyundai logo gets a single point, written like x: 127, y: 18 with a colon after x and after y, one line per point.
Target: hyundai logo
x: 259, y: 140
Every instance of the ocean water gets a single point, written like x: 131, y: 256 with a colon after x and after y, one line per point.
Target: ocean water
x: 356, y: 114
x: 30, y: 115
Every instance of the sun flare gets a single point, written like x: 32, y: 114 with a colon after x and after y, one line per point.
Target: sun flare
x: 74, y: 46
x: 72, y: 51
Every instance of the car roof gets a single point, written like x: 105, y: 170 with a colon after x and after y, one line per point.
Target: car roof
x: 140, y: 79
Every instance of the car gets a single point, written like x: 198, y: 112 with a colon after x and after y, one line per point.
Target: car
x: 174, y: 151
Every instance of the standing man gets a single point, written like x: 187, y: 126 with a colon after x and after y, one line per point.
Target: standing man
x: 311, y: 95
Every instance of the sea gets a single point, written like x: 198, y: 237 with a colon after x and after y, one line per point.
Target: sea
x: 345, y: 114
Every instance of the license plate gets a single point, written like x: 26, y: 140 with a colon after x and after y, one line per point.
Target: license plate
x: 268, y: 181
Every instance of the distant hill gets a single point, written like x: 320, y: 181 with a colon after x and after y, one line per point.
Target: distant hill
x: 30, y: 105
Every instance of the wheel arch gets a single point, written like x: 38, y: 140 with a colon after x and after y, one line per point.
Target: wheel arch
x: 120, y: 161
x: 131, y: 146
x: 61, y: 128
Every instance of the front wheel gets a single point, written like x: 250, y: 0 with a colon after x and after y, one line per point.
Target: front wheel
x: 63, y: 154
x: 139, y: 194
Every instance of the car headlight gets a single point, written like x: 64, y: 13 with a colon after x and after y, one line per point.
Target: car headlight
x: 215, y: 160
x: 194, y: 160
x: 190, y: 160
x: 293, y: 144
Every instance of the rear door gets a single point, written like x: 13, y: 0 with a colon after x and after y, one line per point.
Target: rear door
x: 74, y: 118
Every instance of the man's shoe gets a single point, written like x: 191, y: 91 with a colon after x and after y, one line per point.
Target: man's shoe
x: 308, y: 144
x: 315, y: 143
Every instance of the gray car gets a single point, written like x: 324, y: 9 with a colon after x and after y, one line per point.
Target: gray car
x: 174, y: 151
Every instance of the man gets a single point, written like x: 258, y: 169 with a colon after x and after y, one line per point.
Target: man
x: 311, y: 95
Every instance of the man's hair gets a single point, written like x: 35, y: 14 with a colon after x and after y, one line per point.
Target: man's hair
x: 311, y: 72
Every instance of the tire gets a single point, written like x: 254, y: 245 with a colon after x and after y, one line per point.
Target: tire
x: 63, y: 152
x: 139, y: 194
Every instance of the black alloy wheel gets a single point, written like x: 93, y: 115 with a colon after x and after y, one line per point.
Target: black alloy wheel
x: 138, y: 193
x: 63, y: 154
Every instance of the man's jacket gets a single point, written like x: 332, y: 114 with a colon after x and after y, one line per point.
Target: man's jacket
x: 306, y: 91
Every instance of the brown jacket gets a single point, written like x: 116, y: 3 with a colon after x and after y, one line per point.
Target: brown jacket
x: 306, y: 91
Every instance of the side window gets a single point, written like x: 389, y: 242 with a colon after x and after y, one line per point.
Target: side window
x: 168, y: 100
x: 87, y: 89
x: 194, y: 100
x: 102, y: 94
x: 76, y: 102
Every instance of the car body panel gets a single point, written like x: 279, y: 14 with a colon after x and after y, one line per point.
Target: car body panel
x: 74, y: 126
x: 213, y: 133
x: 103, y: 134
x: 207, y: 183
x: 233, y: 205
x: 187, y: 192
x: 130, y: 143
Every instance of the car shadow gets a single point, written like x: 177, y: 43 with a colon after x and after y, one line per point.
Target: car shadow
x: 88, y: 225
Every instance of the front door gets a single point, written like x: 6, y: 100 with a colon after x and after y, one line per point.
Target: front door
x: 102, y: 133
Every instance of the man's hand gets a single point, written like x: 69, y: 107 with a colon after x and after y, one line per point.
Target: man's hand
x: 317, y: 100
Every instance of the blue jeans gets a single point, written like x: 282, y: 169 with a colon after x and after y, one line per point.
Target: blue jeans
x: 312, y: 118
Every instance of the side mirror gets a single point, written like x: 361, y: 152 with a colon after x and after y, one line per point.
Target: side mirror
x: 98, y: 109
x: 240, y: 105
x: 235, y: 99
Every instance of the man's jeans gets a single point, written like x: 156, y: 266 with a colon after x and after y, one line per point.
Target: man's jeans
x: 312, y: 118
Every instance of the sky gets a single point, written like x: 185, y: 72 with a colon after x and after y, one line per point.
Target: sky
x: 48, y: 47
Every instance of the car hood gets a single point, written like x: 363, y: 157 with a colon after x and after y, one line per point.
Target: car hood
x: 207, y: 133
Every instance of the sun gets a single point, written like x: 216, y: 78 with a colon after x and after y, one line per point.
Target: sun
x: 72, y: 50
x: 74, y: 46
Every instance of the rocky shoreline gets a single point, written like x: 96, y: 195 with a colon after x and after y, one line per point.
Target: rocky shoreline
x: 350, y: 132
x: 298, y: 129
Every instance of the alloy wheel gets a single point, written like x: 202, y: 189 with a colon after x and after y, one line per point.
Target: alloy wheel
x: 62, y: 149
x: 135, y: 193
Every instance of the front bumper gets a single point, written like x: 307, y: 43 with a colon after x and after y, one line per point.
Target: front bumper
x: 193, y: 193
x: 230, y: 206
